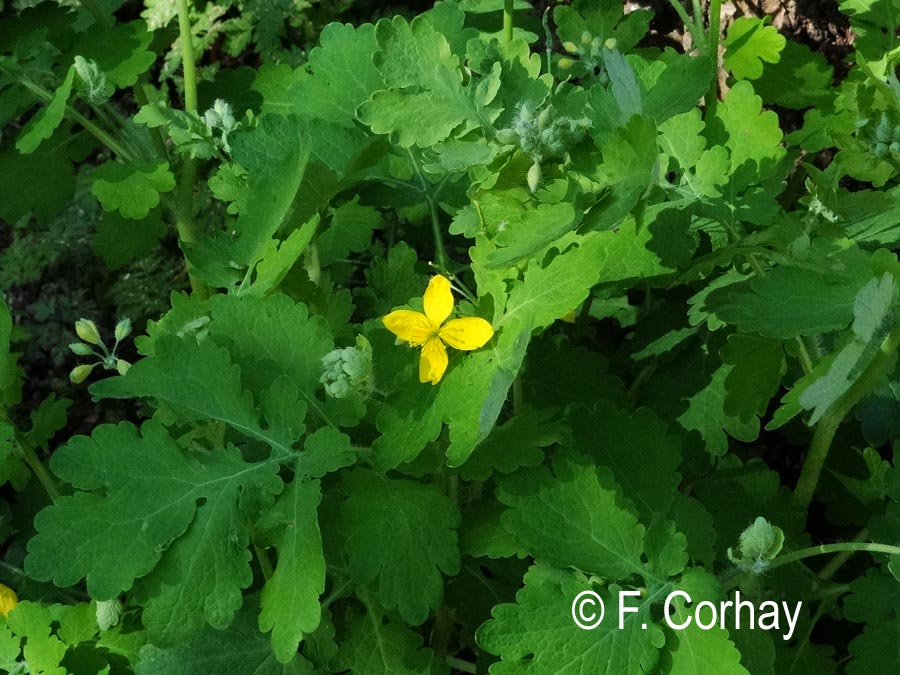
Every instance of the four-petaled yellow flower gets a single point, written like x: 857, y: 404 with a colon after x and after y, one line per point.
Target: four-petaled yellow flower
x: 8, y: 601
x: 429, y: 331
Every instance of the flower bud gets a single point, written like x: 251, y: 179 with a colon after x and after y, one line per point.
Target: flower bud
x: 123, y: 329
x: 87, y: 331
x: 565, y: 63
x: 109, y: 613
x: 348, y: 372
x: 544, y: 117
x: 122, y: 366
x: 610, y: 43
x: 81, y: 349
x: 534, y: 176
x: 570, y: 47
x: 80, y: 373
x: 8, y: 601
x: 586, y: 38
x: 507, y: 136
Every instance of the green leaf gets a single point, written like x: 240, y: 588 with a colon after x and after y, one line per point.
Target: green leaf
x: 239, y: 648
x: 380, y: 647
x: 425, y: 100
x: 604, y: 19
x: 693, y: 651
x: 343, y: 75
x: 42, y: 651
x: 10, y: 373
x: 131, y: 189
x: 44, y: 123
x: 349, y: 231
x: 536, y: 635
x: 639, y: 450
x: 801, y: 78
x: 122, y: 52
x: 128, y: 492
x: 873, y: 320
x: 875, y: 651
x: 120, y: 240
x: 749, y: 43
x: 199, y: 381
x: 753, y: 134
x: 758, y: 366
x: 402, y: 534
x: 41, y: 183
x: 13, y: 468
x: 290, y: 598
x: 573, y: 517
x: 792, y: 301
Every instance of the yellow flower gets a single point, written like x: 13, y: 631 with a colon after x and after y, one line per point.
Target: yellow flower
x: 429, y: 331
x: 8, y: 601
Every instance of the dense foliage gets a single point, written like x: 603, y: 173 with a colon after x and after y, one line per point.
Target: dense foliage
x: 672, y: 333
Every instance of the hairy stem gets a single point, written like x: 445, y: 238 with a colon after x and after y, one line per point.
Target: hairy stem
x: 41, y: 473
x: 832, y: 419
x: 187, y: 56
x: 440, y: 253
x: 825, y: 549
x: 829, y: 570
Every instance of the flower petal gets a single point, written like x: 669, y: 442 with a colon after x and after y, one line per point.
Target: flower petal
x: 433, y: 362
x: 410, y: 326
x: 438, y: 300
x: 468, y: 333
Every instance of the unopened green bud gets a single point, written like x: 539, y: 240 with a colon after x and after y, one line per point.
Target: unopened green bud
x: 122, y: 366
x: 534, y: 176
x: 586, y: 38
x: 507, y: 136
x: 610, y: 44
x: 81, y: 349
x: 109, y: 613
x: 526, y: 112
x: 565, y: 63
x: 570, y: 47
x: 123, y: 329
x: 80, y: 373
x: 348, y: 372
x: 544, y: 117
x: 87, y: 331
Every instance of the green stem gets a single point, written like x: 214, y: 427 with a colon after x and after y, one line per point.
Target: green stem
x: 695, y: 30
x: 715, y: 18
x: 827, y: 572
x: 460, y: 665
x: 507, y: 21
x: 805, y: 360
x: 825, y: 549
x: 37, y: 467
x: 440, y: 253
x: 187, y: 56
x: 832, y: 419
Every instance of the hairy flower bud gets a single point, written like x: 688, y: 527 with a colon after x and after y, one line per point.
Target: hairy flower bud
x: 534, y: 176
x: 122, y: 366
x: 348, y: 372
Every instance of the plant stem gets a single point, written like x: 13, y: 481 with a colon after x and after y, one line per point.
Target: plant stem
x: 827, y: 572
x: 715, y: 18
x: 825, y: 549
x: 184, y: 212
x: 187, y: 56
x: 832, y: 419
x: 440, y: 253
x: 805, y: 361
x: 460, y: 665
x: 507, y: 21
x: 37, y: 467
x: 695, y: 30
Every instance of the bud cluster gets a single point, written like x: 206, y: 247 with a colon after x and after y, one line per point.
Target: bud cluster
x: 91, y: 342
x: 348, y: 373
x: 542, y: 133
x: 884, y: 137
x: 589, y: 51
x: 220, y: 118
